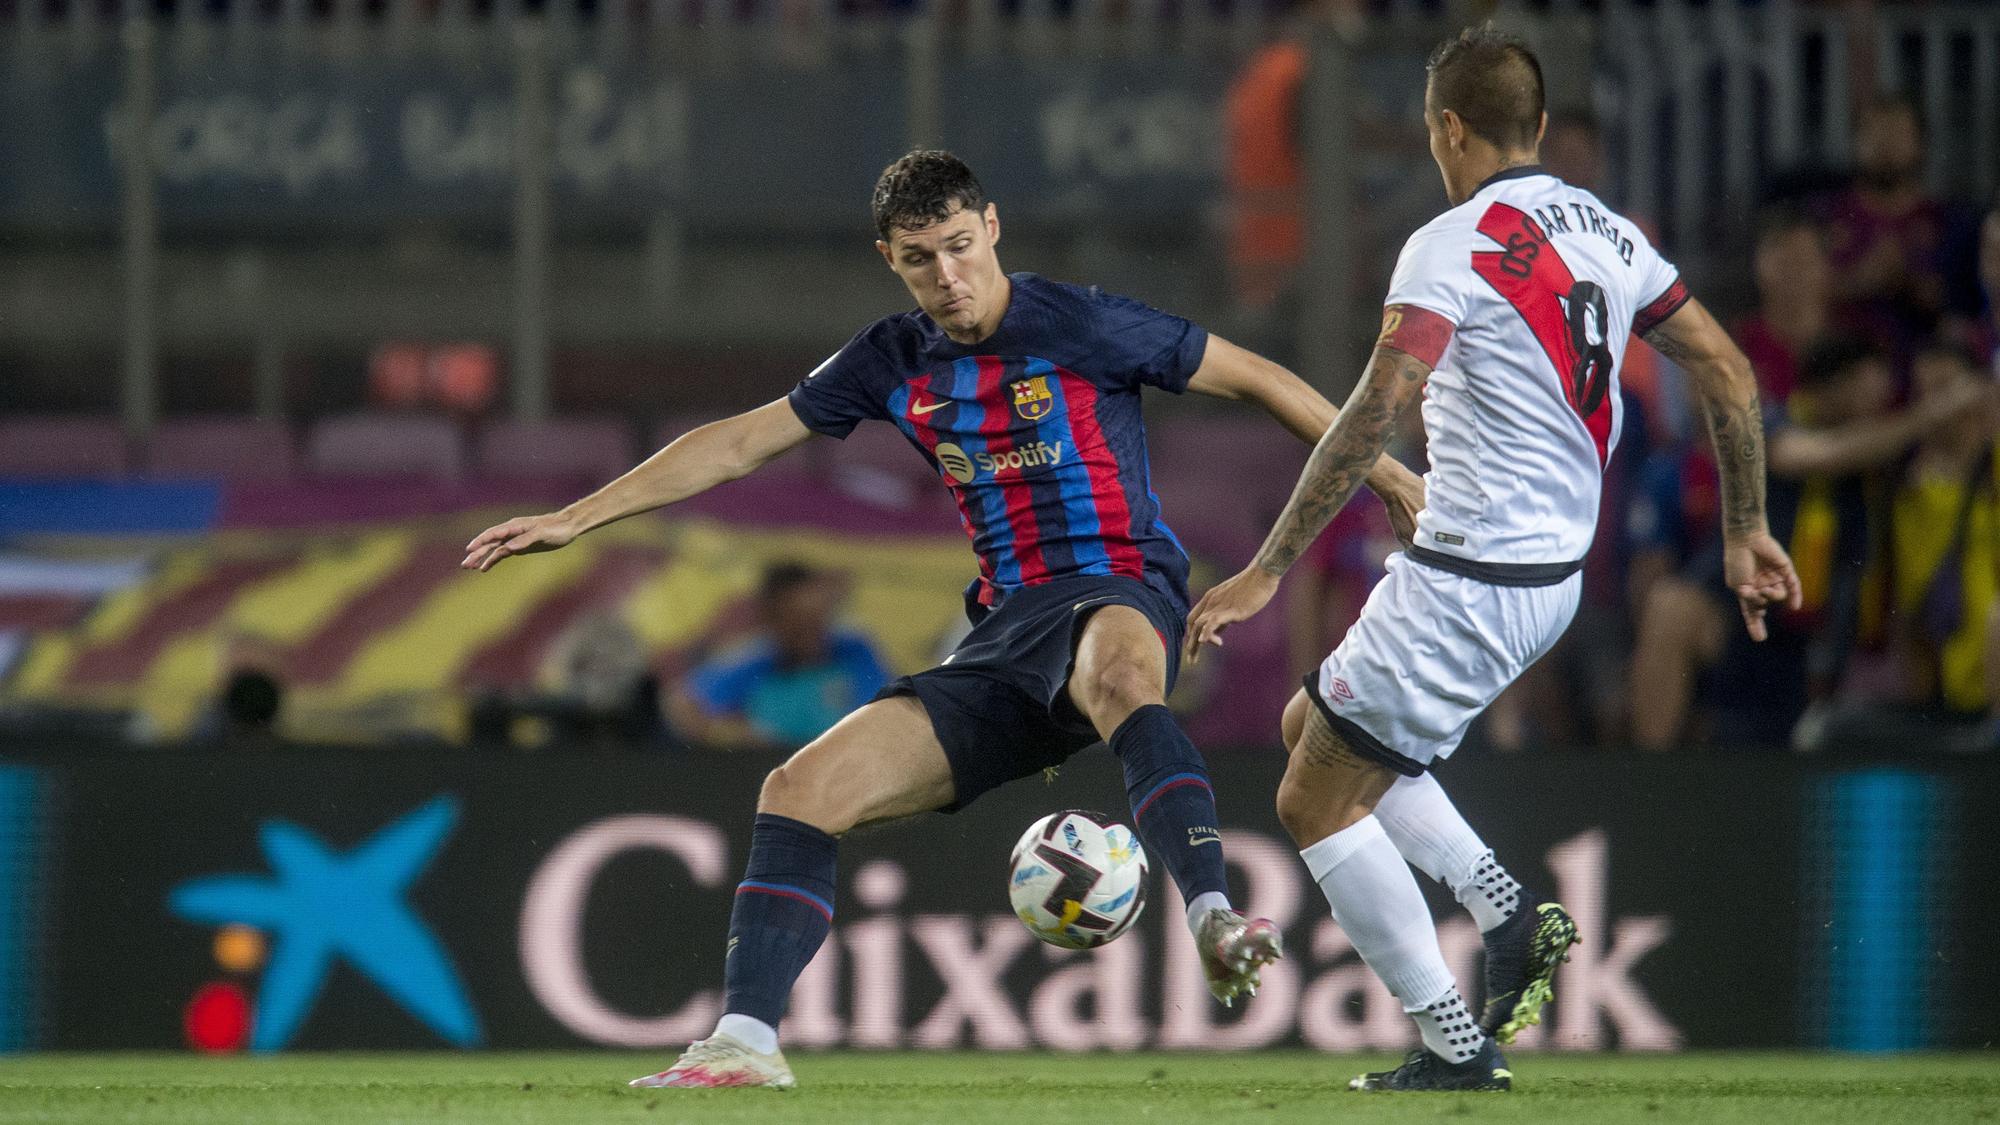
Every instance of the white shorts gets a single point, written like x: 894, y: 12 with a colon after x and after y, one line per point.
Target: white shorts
x: 1431, y: 650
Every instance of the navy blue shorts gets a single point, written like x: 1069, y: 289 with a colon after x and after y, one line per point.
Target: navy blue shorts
x: 998, y: 702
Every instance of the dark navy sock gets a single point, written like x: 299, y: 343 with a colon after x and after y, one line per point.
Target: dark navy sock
x: 784, y: 907
x: 1172, y: 804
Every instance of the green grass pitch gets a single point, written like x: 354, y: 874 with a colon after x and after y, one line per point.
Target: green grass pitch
x: 962, y: 1089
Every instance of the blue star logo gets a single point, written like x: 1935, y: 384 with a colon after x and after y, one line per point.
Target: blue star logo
x: 321, y: 905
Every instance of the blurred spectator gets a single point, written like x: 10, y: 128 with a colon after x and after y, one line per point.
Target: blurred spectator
x: 600, y: 693
x: 787, y: 685
x: 1825, y: 448
x: 1267, y: 235
x: 1573, y: 149
x: 1984, y: 333
x: 1944, y: 568
x: 245, y: 714
x: 1947, y: 545
x: 1266, y: 170
x: 1794, y: 301
x: 1886, y: 234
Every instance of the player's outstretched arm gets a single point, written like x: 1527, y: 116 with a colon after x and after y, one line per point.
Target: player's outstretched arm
x: 693, y: 463
x: 1755, y: 566
x: 1338, y: 463
x: 1231, y: 372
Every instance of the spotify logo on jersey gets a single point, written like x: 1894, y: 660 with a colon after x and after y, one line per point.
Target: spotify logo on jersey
x: 955, y: 462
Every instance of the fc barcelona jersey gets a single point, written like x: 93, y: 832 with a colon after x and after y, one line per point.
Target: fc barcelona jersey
x: 1035, y: 430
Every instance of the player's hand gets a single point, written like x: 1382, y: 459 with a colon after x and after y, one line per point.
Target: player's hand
x: 524, y: 535
x: 1403, y: 504
x: 1757, y: 569
x: 1237, y: 599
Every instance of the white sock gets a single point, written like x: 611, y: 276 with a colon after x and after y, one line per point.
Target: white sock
x: 1376, y: 900
x: 749, y: 1031
x: 1427, y: 828
x: 1201, y: 905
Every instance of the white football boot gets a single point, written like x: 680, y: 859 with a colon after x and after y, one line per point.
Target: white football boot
x: 1232, y: 949
x: 719, y: 1061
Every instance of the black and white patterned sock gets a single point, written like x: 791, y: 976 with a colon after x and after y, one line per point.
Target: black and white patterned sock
x: 1449, y: 1029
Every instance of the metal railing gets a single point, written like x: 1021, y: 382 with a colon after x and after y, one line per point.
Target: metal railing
x: 1708, y: 101
x: 1099, y: 121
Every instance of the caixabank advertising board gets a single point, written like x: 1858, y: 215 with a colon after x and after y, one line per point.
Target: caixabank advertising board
x: 337, y: 899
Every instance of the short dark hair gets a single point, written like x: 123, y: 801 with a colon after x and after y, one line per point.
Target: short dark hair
x: 1833, y: 359
x: 1493, y: 82
x: 924, y: 187
x: 781, y: 578
x: 252, y: 698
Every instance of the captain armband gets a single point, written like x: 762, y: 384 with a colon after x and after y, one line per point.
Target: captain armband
x: 1416, y: 332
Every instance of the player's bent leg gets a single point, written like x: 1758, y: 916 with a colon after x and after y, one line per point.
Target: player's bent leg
x: 1326, y: 802
x: 1119, y: 683
x: 880, y: 763
x: 883, y: 762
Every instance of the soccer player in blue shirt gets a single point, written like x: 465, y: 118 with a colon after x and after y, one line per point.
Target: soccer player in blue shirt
x: 1023, y: 394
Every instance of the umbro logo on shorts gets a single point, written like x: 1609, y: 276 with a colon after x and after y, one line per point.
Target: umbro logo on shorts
x: 1341, y: 690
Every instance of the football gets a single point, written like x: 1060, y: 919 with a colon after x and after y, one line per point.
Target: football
x: 1076, y: 880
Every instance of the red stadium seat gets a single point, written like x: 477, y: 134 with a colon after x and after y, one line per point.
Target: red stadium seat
x: 596, y: 449
x: 386, y: 445
x: 62, y: 445
x: 233, y: 447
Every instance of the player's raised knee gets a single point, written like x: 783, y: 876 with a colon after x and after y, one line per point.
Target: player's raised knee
x: 1117, y: 687
x: 789, y: 791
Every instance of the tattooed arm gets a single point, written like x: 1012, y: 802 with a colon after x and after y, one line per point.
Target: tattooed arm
x: 1337, y: 467
x: 1754, y: 565
x: 1344, y: 456
x: 1727, y: 390
x: 1230, y: 372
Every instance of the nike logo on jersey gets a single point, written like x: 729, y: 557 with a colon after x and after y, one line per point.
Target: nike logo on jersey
x: 919, y: 409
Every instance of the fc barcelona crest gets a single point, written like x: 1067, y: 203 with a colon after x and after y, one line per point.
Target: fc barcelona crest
x: 1032, y: 399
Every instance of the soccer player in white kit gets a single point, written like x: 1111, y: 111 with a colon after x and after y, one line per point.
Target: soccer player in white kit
x: 1509, y: 316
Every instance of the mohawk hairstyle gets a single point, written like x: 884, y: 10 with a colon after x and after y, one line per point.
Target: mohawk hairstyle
x: 923, y: 188
x: 1493, y: 82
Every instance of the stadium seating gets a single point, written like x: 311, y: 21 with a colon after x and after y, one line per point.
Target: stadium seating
x: 595, y: 449
x: 226, y: 446
x: 386, y: 445
x: 61, y: 445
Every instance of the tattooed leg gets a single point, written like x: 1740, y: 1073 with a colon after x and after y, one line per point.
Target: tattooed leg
x: 1327, y: 802
x: 1327, y: 786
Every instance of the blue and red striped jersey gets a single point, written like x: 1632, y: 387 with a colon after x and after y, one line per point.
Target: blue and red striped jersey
x: 1036, y: 429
